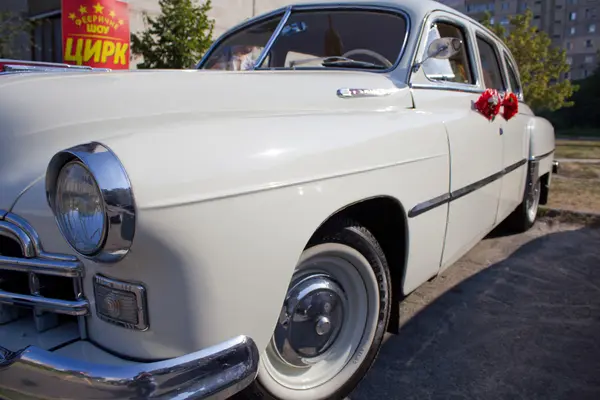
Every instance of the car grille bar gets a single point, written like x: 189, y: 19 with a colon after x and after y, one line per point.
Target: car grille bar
x: 66, y: 307
x: 48, y: 284
x: 68, y: 269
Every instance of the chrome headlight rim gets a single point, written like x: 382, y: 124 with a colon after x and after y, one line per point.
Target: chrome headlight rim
x: 116, y: 195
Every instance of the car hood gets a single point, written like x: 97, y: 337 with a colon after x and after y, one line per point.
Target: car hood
x: 41, y: 114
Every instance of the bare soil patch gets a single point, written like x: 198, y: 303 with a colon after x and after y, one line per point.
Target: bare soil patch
x: 577, y: 149
x: 576, y: 187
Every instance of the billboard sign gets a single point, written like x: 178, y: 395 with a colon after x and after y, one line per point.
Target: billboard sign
x: 96, y: 33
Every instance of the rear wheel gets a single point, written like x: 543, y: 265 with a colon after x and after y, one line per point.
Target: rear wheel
x: 332, y: 322
x: 525, y: 214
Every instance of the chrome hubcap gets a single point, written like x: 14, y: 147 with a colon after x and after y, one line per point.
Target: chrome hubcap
x: 310, y: 321
x: 533, y: 199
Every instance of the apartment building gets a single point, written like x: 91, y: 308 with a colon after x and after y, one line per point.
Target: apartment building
x: 47, y: 37
x: 572, y: 24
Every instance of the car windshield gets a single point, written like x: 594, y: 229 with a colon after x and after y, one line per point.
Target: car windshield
x: 354, y: 38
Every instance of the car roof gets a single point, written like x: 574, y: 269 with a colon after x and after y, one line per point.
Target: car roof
x: 418, y: 8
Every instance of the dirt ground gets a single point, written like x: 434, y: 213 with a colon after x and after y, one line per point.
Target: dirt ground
x: 576, y: 187
x: 577, y: 149
x: 518, y: 317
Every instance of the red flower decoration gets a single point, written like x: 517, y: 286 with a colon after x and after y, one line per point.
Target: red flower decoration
x: 489, y: 104
x: 511, y: 106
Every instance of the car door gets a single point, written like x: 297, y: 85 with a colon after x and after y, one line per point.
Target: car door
x: 446, y: 90
x: 515, y: 146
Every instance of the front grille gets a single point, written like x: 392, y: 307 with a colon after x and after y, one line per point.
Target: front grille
x: 35, y: 283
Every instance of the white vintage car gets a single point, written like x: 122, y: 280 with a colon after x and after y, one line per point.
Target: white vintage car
x: 253, y: 224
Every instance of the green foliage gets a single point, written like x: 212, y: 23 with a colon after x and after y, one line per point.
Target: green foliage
x: 584, y: 115
x: 11, y: 27
x: 540, y: 64
x: 177, y: 38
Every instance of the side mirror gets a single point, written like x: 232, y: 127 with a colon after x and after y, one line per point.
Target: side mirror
x: 440, y: 49
x: 444, y: 48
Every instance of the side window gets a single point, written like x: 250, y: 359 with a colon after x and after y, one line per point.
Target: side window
x: 512, y: 77
x: 455, y: 69
x: 492, y: 73
x: 241, y: 50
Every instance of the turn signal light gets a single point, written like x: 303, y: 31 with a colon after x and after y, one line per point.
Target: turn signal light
x: 121, y: 303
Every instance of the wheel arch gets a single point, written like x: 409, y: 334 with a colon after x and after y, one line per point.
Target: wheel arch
x: 385, y: 217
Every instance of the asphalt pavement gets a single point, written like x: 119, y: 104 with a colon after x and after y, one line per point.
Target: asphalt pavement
x: 517, y: 318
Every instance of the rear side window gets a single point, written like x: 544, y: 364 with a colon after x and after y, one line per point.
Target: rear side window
x: 512, y: 77
x: 492, y: 73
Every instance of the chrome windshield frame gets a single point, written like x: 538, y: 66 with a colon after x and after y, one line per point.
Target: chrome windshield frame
x: 287, y: 12
x: 252, y: 21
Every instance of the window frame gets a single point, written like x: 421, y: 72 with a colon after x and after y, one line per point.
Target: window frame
x: 287, y: 11
x: 509, y: 65
x: 466, y: 46
x: 480, y: 34
x: 467, y: 28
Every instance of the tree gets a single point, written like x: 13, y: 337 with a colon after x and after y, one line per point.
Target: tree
x: 177, y: 38
x: 540, y: 64
x: 585, y: 113
x: 12, y: 28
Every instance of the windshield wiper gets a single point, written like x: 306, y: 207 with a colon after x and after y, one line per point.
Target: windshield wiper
x: 349, y: 63
x: 352, y: 64
x: 337, y: 61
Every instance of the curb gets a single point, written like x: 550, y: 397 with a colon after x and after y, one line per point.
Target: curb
x: 561, y: 215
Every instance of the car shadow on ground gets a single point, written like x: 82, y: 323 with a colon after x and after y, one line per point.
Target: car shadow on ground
x: 527, y: 327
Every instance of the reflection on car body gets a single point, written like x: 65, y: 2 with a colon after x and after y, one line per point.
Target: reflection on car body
x: 248, y: 225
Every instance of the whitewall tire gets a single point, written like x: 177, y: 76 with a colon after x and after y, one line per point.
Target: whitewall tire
x: 333, y: 319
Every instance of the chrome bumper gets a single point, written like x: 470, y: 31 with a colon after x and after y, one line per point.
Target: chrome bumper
x: 217, y: 372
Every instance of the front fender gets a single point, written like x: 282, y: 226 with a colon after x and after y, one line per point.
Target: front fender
x: 221, y: 221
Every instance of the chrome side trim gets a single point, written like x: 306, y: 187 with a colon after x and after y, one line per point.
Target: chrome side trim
x: 140, y: 297
x: 540, y: 157
x: 457, y: 194
x: 455, y: 88
x: 215, y: 373
x: 77, y: 308
x: 116, y: 191
x: 349, y: 93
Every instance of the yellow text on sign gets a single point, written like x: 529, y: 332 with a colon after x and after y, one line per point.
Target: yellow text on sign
x: 102, y: 29
x: 98, y: 50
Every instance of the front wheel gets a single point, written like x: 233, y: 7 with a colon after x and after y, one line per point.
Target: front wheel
x: 332, y: 322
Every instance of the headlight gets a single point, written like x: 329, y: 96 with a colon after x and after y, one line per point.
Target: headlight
x: 79, y: 208
x: 91, y: 197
